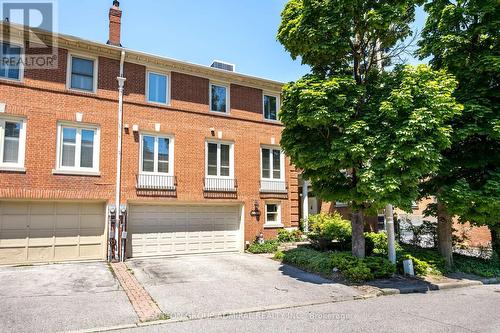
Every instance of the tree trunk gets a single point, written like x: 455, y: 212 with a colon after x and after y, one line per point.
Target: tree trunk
x: 358, y: 237
x: 444, y: 231
x: 495, y: 239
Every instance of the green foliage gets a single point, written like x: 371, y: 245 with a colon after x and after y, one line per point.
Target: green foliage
x: 325, y: 228
x: 358, y: 272
x: 380, y: 267
x: 425, y: 261
x: 322, y: 32
x: 279, y: 255
x: 481, y: 267
x: 269, y: 246
x: 462, y: 37
x: 285, y: 236
x: 420, y: 267
x: 376, y: 243
x: 309, y: 260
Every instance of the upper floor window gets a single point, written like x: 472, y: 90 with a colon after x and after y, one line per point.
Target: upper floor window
x: 156, y: 154
x: 10, y: 62
x: 12, y: 143
x: 272, y: 164
x: 219, y: 98
x: 78, y: 148
x: 157, y: 88
x: 82, y: 74
x: 270, y: 107
x: 219, y: 159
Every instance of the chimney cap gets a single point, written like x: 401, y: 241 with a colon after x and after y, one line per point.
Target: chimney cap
x: 116, y: 3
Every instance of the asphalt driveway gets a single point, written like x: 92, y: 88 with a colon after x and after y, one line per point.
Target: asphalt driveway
x: 198, y: 286
x: 61, y: 297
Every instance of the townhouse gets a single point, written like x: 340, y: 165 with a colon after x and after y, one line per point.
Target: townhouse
x: 114, y: 153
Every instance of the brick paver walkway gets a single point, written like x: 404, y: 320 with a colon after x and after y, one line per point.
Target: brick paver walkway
x: 142, y: 302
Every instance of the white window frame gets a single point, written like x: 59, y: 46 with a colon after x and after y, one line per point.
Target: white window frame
x: 170, y: 154
x: 231, y: 159
x: 278, y: 106
x: 97, y: 149
x: 95, y: 59
x: 228, y: 97
x: 21, y: 154
x: 168, y: 92
x: 21, y: 65
x: 282, y: 163
x: 279, y: 222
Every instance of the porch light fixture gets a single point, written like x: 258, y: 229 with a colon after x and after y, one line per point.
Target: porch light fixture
x: 135, y: 128
x: 255, y: 212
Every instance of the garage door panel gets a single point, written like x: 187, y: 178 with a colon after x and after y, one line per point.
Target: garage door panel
x: 42, y: 231
x: 182, y: 229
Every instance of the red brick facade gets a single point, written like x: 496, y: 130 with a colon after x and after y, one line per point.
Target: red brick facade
x: 43, y: 99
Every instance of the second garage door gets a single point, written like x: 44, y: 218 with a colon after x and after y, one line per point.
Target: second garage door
x: 169, y: 230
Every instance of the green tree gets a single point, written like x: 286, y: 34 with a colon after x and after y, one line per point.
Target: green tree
x: 463, y: 37
x: 361, y: 135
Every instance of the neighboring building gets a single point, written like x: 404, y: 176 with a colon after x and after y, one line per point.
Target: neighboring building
x: 200, y: 154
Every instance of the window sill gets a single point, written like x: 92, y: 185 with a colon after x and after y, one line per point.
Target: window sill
x: 272, y: 121
x: 76, y: 173
x: 12, y: 169
x: 273, y: 226
x: 167, y: 105
x: 18, y: 81
x: 227, y: 113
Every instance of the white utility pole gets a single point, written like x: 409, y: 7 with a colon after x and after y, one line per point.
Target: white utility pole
x: 305, y: 204
x: 391, y: 239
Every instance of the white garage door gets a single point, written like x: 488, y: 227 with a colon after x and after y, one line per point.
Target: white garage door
x: 51, y: 231
x: 170, y: 230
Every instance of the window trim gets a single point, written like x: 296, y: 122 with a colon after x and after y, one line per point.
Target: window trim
x: 95, y: 82
x: 279, y: 223
x: 97, y: 150
x: 20, y: 165
x: 282, y: 163
x: 231, y: 158
x: 170, y: 150
x: 278, y: 106
x: 169, y: 85
x: 23, y: 60
x: 228, y: 97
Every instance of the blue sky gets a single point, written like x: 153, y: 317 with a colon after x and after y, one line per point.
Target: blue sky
x: 242, y: 32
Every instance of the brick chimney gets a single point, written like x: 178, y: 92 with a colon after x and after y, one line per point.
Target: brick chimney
x: 115, y: 24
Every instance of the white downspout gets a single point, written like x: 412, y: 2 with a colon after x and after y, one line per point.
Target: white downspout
x: 121, y: 84
x: 305, y: 205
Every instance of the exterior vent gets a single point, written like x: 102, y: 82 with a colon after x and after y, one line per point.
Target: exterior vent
x: 223, y: 65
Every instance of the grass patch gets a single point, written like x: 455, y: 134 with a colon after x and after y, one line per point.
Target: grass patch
x: 309, y: 260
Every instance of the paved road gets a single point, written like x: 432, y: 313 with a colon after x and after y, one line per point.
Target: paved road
x: 475, y: 309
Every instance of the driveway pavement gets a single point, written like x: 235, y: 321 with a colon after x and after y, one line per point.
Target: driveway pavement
x: 197, y: 286
x: 62, y: 297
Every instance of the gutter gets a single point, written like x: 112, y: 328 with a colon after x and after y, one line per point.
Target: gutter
x: 121, y: 83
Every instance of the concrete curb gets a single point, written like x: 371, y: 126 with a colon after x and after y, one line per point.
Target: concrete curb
x: 434, y: 286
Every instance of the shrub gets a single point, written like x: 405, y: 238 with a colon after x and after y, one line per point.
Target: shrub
x: 376, y: 243
x: 420, y: 267
x: 279, y: 255
x: 326, y: 228
x: 285, y: 236
x: 380, y: 267
x: 483, y: 267
x: 269, y: 246
x: 343, y: 260
x: 309, y: 260
x: 358, y: 272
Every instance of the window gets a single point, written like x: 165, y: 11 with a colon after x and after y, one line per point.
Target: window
x: 272, y: 164
x: 10, y: 62
x: 12, y: 143
x: 219, y: 159
x: 78, y: 148
x: 157, y: 88
x: 270, y: 107
x: 381, y: 222
x: 82, y: 74
x: 218, y: 98
x: 156, y: 154
x: 273, y: 214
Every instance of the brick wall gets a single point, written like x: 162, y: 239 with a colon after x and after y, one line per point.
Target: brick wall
x: 44, y: 100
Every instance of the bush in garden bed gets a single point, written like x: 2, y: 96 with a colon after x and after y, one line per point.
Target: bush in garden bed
x: 269, y: 246
x: 329, y: 231
x: 285, y: 236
